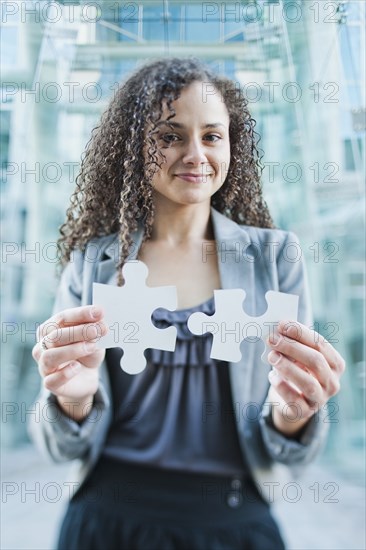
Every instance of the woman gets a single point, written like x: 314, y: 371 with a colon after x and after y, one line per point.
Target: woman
x: 185, y: 454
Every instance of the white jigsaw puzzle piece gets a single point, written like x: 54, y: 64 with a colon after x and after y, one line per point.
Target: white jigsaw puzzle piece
x: 230, y: 325
x: 128, y: 311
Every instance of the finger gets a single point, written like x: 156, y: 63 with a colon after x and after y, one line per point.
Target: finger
x: 52, y: 359
x: 54, y: 382
x: 297, y: 331
x: 308, y: 386
x: 39, y: 348
x: 296, y: 407
x: 91, y: 332
x: 70, y: 317
x: 37, y: 351
x: 306, y: 356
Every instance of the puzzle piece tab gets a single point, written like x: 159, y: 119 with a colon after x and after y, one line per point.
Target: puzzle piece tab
x: 128, y: 311
x: 230, y: 325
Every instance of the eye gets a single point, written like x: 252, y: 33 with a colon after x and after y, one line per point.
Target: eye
x: 169, y: 138
x: 212, y: 137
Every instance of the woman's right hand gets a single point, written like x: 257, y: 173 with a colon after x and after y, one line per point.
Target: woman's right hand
x: 70, y: 364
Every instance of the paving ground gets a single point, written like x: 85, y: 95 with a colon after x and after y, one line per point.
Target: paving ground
x: 322, y: 511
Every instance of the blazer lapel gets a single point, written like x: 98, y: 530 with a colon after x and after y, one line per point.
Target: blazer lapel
x: 106, y: 270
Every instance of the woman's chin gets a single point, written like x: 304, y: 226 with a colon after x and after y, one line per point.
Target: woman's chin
x: 184, y: 198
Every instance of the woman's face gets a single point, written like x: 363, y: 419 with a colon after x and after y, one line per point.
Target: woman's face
x: 196, y: 147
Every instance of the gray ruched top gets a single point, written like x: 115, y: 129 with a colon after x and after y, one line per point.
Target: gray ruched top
x: 178, y: 412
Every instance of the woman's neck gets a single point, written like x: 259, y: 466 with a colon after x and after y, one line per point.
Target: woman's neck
x: 177, y: 224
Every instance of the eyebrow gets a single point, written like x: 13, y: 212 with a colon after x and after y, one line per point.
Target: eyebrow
x: 182, y: 126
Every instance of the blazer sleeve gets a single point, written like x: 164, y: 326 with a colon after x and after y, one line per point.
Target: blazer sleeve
x: 292, y: 278
x: 56, y: 435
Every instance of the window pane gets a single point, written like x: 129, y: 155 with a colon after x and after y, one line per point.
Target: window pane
x: 8, y: 45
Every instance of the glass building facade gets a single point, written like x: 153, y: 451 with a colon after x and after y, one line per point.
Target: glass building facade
x: 302, y: 67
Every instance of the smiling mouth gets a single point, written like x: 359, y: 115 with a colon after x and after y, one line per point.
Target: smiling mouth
x: 195, y: 178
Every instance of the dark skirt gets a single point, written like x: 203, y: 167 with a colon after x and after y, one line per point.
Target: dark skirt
x: 125, y: 506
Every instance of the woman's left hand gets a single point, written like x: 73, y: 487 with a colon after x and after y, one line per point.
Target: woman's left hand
x: 306, y: 373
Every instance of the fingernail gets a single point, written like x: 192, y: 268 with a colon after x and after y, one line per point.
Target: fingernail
x: 95, y: 312
x: 274, y: 357
x: 274, y: 339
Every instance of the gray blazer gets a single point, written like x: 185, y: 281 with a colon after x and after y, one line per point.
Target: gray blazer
x: 250, y: 258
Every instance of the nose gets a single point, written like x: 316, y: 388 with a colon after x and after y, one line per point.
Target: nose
x: 194, y: 153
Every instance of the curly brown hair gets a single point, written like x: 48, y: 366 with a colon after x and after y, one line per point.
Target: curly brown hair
x: 113, y: 188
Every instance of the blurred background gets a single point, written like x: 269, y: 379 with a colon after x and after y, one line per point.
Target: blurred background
x: 301, y: 65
